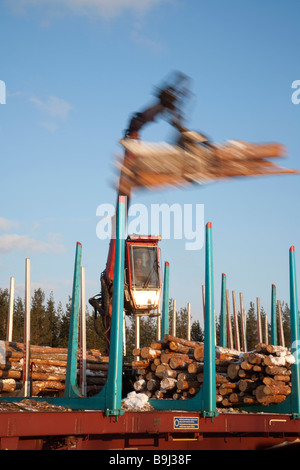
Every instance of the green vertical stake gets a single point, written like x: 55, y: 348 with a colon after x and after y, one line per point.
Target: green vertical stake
x: 223, y: 315
x: 295, y: 337
x: 165, y: 305
x: 273, y: 317
x: 209, y: 372
x: 71, y: 386
x: 114, y: 379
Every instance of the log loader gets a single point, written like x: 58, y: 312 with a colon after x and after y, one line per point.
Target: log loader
x: 192, y: 159
x: 142, y: 254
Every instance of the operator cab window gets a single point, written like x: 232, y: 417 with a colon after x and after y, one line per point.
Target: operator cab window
x: 144, y: 267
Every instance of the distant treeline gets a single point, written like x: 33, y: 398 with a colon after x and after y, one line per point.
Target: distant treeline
x: 50, y: 324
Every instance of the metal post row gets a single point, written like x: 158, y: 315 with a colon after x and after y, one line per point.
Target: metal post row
x: 109, y: 398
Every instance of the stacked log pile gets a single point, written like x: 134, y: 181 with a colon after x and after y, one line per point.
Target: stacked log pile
x: 173, y: 369
x: 262, y: 376
x: 47, y: 370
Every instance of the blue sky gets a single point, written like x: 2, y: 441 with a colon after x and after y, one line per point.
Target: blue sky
x: 76, y: 70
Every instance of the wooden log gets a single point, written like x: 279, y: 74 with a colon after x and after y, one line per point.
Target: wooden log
x: 277, y: 389
x: 271, y: 399
x: 275, y: 361
x: 140, y: 364
x: 47, y: 377
x: 272, y: 381
x: 257, y: 368
x: 36, y: 355
x: 159, y: 370
x: 97, y: 367
x: 9, y: 385
x: 169, y: 373
x: 12, y: 362
x: 42, y: 386
x: 195, y: 367
x: 161, y: 394
x: 255, y: 358
x: 166, y: 357
x: 160, y: 345
x: 273, y: 349
x: 168, y: 383
x: 226, y: 402
x: 136, y: 352
x: 199, y: 353
x: 277, y: 370
x: 176, y: 396
x: 221, y: 379
x: 193, y: 390
x: 46, y: 369
x: 153, y: 385
x: 11, y: 374
x: 149, y: 353
x: 235, y: 398
x: 35, y: 349
x: 149, y: 375
x: 178, y: 347
x: 244, y: 374
x: 245, y: 365
x: 185, y: 375
x: 227, y: 388
x: 263, y: 392
x: 15, y: 356
x: 227, y: 354
x: 282, y: 378
x: 247, y: 385
x: 256, y: 376
x: 249, y: 400
x: 185, y: 342
x: 219, y: 398
x: 233, y: 370
x: 261, y: 348
x: 186, y: 384
x: 200, y: 377
x: 140, y: 385
x: 179, y: 363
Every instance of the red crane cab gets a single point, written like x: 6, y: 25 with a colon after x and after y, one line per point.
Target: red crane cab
x: 142, y: 274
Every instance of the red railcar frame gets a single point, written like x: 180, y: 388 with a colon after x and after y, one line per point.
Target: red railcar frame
x: 160, y: 431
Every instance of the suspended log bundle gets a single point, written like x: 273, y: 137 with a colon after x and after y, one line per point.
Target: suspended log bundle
x: 261, y: 376
x: 47, y: 370
x: 151, y: 164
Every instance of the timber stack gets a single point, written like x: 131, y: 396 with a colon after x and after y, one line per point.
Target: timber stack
x: 173, y: 369
x: 47, y: 370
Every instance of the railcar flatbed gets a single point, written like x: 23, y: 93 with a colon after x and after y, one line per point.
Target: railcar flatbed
x: 150, y: 430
